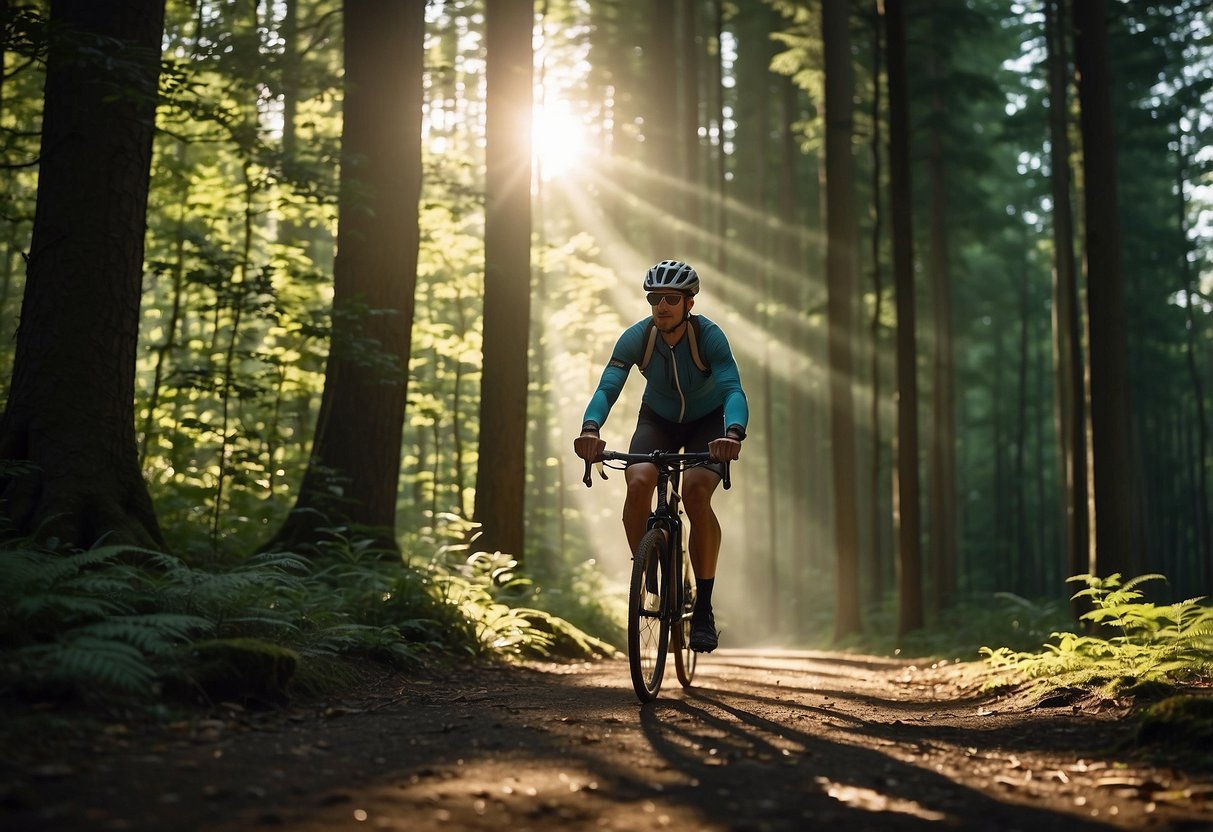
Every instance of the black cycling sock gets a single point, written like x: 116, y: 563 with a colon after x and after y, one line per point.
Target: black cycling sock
x: 703, y: 595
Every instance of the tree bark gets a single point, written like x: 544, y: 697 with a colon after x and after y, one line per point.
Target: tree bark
x: 1112, y: 470
x: 876, y: 482
x: 906, y: 510
x: 1067, y: 343
x: 688, y: 132
x: 841, y: 241
x: 661, y: 131
x: 70, y: 414
x: 943, y: 405
x: 501, y: 472
x: 720, y: 189
x: 354, y: 469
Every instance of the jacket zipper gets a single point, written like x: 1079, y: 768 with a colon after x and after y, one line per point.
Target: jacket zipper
x: 682, y: 399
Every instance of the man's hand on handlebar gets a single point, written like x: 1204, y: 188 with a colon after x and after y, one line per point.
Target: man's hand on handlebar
x: 589, y: 446
x: 724, y: 449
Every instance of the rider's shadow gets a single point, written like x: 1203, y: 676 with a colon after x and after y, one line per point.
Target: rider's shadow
x: 742, y: 766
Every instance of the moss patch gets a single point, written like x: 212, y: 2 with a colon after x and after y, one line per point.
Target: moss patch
x: 1178, y: 721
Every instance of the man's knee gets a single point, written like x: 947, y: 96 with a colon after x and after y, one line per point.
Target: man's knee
x: 642, y: 480
x: 641, y: 487
x: 697, y: 493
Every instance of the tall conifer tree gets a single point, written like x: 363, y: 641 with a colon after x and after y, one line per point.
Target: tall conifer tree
x: 501, y: 475
x: 70, y: 416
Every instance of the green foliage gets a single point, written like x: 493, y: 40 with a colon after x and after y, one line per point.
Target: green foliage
x: 113, y: 621
x: 1184, y: 720
x: 1134, y: 643
x: 236, y: 670
x: 82, y: 621
x: 580, y: 596
x: 960, y: 630
x: 487, y: 589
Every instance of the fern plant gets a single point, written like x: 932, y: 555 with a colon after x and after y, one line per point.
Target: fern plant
x: 83, y: 620
x: 113, y: 620
x: 1135, y: 641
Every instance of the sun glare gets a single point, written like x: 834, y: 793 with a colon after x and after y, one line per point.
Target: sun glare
x: 559, y: 140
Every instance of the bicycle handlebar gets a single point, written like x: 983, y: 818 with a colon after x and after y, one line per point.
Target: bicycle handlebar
x: 659, y: 458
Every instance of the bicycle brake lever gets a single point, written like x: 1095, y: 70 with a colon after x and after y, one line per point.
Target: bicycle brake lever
x: 728, y: 483
x: 602, y: 470
x: 587, y: 479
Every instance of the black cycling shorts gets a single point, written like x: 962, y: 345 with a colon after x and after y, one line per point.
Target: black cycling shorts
x: 655, y: 433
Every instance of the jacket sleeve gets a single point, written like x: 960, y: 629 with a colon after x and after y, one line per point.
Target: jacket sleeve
x: 719, y: 356
x: 616, y: 372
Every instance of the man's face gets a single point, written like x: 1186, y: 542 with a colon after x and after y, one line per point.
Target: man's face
x: 669, y: 309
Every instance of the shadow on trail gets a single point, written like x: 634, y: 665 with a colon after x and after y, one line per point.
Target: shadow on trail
x: 542, y: 749
x: 767, y: 771
x: 931, y: 720
x: 793, y: 672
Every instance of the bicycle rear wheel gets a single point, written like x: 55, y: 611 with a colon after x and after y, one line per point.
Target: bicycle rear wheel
x: 648, y: 635
x: 685, y: 658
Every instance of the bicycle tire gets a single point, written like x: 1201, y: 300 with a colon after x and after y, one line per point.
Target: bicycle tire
x: 648, y: 632
x: 685, y: 659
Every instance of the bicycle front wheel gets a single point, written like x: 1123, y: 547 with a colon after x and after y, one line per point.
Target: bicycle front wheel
x: 648, y: 635
x: 684, y: 657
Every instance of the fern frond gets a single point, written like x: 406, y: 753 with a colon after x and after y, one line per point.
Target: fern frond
x: 69, y: 609
x: 1141, y: 579
x: 284, y: 562
x: 256, y: 621
x: 152, y: 633
x: 91, y: 664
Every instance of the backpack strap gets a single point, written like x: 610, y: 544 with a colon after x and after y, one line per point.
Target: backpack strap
x: 650, y: 343
x: 693, y: 335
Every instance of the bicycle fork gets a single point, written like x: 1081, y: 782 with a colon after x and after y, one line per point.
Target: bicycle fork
x: 668, y: 572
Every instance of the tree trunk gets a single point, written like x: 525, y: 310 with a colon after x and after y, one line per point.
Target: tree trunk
x: 943, y: 425
x: 1204, y: 547
x: 906, y: 509
x: 841, y: 239
x: 661, y: 133
x: 688, y: 133
x: 876, y: 482
x: 1067, y: 343
x: 501, y: 472
x: 720, y: 189
x: 1109, y: 383
x: 354, y: 469
x: 70, y: 412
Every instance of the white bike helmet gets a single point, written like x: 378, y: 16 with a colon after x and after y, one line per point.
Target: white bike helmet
x: 672, y: 274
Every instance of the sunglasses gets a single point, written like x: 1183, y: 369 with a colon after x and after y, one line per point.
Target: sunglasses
x: 655, y: 298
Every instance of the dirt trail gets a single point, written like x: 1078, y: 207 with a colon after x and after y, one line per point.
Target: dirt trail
x: 764, y: 741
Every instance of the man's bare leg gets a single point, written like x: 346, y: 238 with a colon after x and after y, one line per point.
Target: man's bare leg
x: 698, y: 485
x: 642, y: 484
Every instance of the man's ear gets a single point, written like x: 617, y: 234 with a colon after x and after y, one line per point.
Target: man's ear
x: 690, y: 303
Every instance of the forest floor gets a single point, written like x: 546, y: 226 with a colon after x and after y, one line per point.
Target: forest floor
x: 765, y: 740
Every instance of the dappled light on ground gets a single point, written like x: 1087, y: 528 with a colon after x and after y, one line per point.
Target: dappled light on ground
x: 771, y: 739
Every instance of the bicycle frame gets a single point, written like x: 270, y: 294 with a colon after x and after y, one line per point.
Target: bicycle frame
x: 666, y: 515
x: 660, y: 556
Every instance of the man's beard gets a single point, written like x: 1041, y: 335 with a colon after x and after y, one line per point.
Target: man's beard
x: 673, y: 327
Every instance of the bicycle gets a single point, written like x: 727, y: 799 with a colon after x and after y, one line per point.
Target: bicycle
x: 661, y: 597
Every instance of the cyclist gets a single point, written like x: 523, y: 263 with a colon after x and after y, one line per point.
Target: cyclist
x: 694, y: 401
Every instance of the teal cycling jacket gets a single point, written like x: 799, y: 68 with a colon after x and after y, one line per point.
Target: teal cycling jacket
x: 677, y: 389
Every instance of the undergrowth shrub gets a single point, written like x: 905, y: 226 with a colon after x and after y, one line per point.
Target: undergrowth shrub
x: 115, y: 621
x: 1133, y: 643
x: 960, y: 630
